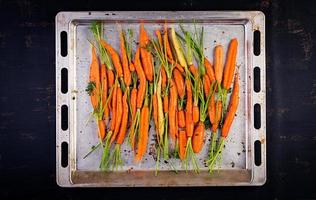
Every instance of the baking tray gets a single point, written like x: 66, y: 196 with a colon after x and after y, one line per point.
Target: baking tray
x: 243, y: 164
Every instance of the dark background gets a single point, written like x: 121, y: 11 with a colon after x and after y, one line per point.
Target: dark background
x: 27, y: 100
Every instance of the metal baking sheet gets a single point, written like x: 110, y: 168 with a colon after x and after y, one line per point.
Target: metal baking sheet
x: 238, y: 166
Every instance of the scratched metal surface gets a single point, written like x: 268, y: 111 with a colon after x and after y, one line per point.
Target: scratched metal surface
x: 219, y: 27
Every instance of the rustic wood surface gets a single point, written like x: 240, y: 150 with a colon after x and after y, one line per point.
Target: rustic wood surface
x: 27, y: 100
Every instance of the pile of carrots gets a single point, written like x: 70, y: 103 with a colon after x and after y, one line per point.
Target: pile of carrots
x: 167, y: 79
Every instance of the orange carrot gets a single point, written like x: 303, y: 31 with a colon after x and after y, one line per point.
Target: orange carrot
x: 146, y: 56
x: 131, y: 67
x: 198, y: 137
x: 166, y: 42
x: 101, y: 127
x: 163, y: 78
x: 189, y: 109
x: 176, y: 125
x: 232, y: 108
x: 230, y: 64
x: 196, y: 114
x: 212, y: 109
x: 218, y: 63
x: 121, y: 135
x: 193, y: 70
x: 126, y: 71
x: 206, y: 84
x: 182, y: 144
x: 218, y: 114
x: 133, y: 102
x: 158, y: 34
x: 143, y: 133
x: 115, y: 57
x: 111, y: 77
x: 94, y: 78
x: 179, y: 83
x: 104, y: 83
x: 114, y: 97
x: 142, y: 78
x: 119, y: 112
x: 181, y: 118
x: 209, y: 70
x: 173, y: 126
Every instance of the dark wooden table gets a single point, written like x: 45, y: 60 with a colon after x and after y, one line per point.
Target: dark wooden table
x: 27, y: 100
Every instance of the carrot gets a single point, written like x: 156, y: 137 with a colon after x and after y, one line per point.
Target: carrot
x: 198, y: 137
x: 101, y: 126
x: 182, y: 144
x: 166, y: 40
x: 131, y: 67
x: 189, y: 110
x: 209, y: 70
x: 126, y: 71
x: 230, y: 64
x: 114, y: 97
x: 173, y: 126
x: 104, y: 83
x: 206, y: 84
x: 158, y: 34
x: 133, y: 102
x: 164, y: 78
x: 193, y: 70
x: 111, y: 77
x: 196, y: 114
x: 164, y: 85
x: 121, y: 135
x: 115, y: 57
x: 94, y: 79
x: 143, y: 132
x: 232, y: 108
x: 142, y: 79
x: 146, y: 56
x: 119, y: 112
x: 212, y: 109
x: 181, y: 118
x: 179, y: 83
x: 218, y: 114
x: 218, y: 63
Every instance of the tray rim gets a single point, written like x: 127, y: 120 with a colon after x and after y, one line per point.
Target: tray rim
x: 63, y: 21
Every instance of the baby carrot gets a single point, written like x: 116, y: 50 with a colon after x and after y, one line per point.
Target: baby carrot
x: 173, y: 126
x: 209, y: 69
x: 198, y: 136
x: 126, y: 71
x: 181, y: 118
x: 179, y: 83
x: 121, y: 135
x: 230, y: 64
x: 182, y: 144
x: 101, y: 127
x: 115, y: 57
x: 94, y: 79
x: 188, y: 110
x: 119, y: 112
x: 146, y: 56
x: 143, y: 132
x: 218, y: 63
x: 142, y: 78
x: 232, y: 108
